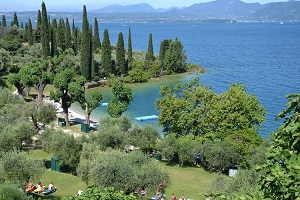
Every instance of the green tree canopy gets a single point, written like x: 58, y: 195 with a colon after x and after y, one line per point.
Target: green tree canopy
x: 282, y: 169
x: 89, y: 102
x: 68, y: 87
x: 174, y: 58
x: 197, y: 110
x: 37, y: 75
x: 122, y: 97
x: 16, y: 167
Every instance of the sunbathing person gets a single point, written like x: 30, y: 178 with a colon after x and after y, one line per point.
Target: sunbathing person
x: 39, y: 188
x: 51, y: 189
x: 30, y: 187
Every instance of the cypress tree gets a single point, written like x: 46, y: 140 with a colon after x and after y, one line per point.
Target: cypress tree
x: 94, y: 69
x: 164, y: 46
x: 45, y: 32
x: 73, y: 26
x: 130, y: 57
x: 85, y: 47
x: 38, y: 27
x: 53, y: 38
x: 150, y: 54
x: 15, y: 21
x: 30, y: 32
x: 22, y: 25
x: 4, y: 24
x: 68, y: 35
x: 60, y: 34
x: 25, y: 32
x: 75, y: 38
x: 106, y: 54
x: 96, y: 38
x: 120, y: 55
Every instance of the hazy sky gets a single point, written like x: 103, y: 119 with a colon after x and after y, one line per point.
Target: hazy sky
x: 17, y: 5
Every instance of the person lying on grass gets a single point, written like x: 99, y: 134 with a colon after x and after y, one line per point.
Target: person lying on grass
x: 39, y: 188
x: 51, y: 189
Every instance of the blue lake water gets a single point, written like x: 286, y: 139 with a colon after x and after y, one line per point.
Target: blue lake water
x: 265, y: 57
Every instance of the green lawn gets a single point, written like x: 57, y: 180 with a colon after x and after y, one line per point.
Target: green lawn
x: 187, y: 181
x: 67, y: 185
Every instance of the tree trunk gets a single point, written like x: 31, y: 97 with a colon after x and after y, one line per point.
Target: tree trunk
x: 66, y: 113
x: 87, y: 115
x: 35, y: 124
x: 40, y: 89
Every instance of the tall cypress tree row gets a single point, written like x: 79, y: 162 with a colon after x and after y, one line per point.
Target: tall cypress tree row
x: 60, y: 34
x: 53, y: 38
x: 96, y: 38
x: 45, y: 32
x: 120, y: 56
x: 106, y: 55
x: 68, y: 35
x: 15, y: 21
x: 85, y: 47
x: 4, y: 24
x: 129, y: 52
x: 150, y: 54
x: 30, y: 32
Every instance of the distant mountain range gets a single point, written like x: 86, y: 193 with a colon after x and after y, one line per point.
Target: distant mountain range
x: 218, y: 9
x: 136, y: 8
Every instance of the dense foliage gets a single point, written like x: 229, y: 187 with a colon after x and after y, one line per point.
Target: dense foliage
x: 16, y: 167
x: 127, y: 172
x: 65, y: 147
x: 11, y: 192
x: 103, y: 194
x: 197, y: 110
x: 121, y: 98
x: 282, y: 168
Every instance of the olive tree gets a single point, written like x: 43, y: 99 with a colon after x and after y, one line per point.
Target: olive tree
x: 17, y: 167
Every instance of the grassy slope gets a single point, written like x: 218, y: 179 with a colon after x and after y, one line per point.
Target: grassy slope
x: 187, y: 181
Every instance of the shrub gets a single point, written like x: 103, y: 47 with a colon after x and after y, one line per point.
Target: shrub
x: 112, y: 137
x: 220, y: 156
x: 144, y: 138
x: 103, y: 193
x: 11, y: 192
x: 13, y: 135
x: 137, y: 75
x: 16, y: 167
x: 179, y: 150
x: 65, y: 147
x: 126, y: 172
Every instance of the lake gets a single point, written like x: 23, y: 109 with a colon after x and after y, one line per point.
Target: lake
x: 265, y: 57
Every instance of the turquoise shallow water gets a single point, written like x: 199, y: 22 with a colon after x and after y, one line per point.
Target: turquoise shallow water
x: 265, y: 57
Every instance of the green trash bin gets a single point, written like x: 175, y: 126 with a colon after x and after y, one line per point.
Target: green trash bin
x: 55, y: 164
x: 85, y: 128
x: 158, y: 156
